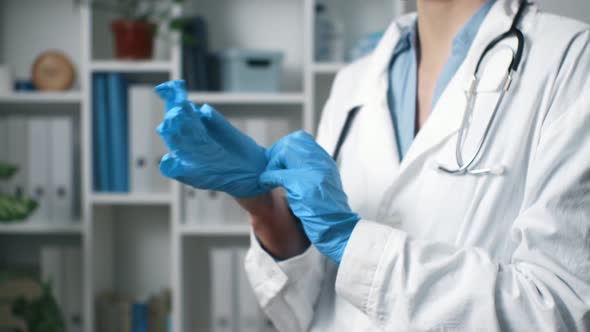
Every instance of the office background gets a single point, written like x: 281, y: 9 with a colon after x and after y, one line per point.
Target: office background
x: 86, y: 208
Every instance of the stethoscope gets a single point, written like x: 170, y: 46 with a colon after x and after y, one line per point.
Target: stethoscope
x: 466, y: 166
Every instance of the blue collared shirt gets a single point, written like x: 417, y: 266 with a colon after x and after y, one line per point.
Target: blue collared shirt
x: 403, y: 76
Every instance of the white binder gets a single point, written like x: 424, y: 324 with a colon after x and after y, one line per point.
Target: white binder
x: 278, y: 127
x: 146, y: 148
x: 212, y: 203
x: 61, y: 166
x: 72, y: 311
x: 233, y: 213
x: 222, y: 285
x: 18, y: 147
x: 39, y: 164
x: 250, y: 317
x: 52, y: 270
x: 157, y: 109
x: 258, y: 129
x: 192, y: 205
x: 139, y: 140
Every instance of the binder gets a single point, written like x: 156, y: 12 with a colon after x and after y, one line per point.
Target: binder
x: 139, y: 144
x: 146, y: 111
x: 250, y: 317
x: 61, y: 166
x: 158, y: 148
x: 212, y: 203
x: 18, y: 145
x: 258, y: 129
x: 278, y: 127
x: 101, y: 143
x: 222, y: 315
x: 39, y: 164
x: 52, y: 271
x: 72, y: 310
x: 233, y: 212
x: 192, y: 199
x: 117, y: 98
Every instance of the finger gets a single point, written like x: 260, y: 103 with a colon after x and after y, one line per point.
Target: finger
x: 181, y: 130
x: 220, y: 129
x: 173, y: 93
x: 170, y: 166
x: 291, y: 151
x: 214, y: 121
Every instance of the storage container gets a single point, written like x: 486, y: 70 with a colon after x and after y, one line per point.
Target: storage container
x: 250, y: 70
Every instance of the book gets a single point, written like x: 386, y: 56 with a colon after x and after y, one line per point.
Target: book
x: 113, y: 312
x: 139, y: 317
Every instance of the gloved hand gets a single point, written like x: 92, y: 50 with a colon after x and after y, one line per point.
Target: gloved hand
x: 207, y: 152
x: 314, y: 191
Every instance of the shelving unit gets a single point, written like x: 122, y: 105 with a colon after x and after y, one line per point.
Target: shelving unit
x: 139, y: 242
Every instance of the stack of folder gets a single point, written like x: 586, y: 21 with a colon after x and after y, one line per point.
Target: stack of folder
x: 42, y: 147
x: 233, y: 304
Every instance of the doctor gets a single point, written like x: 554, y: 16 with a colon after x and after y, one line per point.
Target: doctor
x: 467, y: 204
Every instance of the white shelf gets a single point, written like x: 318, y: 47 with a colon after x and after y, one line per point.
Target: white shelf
x: 129, y: 66
x: 34, y: 97
x: 248, y: 98
x: 215, y: 230
x: 328, y: 67
x: 42, y: 228
x: 131, y: 199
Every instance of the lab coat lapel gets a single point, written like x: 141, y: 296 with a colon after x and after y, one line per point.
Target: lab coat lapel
x: 446, y: 117
x: 376, y: 147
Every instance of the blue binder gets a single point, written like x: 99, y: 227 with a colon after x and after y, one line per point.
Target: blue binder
x: 100, y: 134
x: 119, y: 169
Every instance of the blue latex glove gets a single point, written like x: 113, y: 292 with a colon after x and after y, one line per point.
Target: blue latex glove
x: 207, y: 152
x: 314, y: 191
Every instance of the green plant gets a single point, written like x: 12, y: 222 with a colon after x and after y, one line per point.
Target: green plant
x: 41, y: 314
x: 13, y: 208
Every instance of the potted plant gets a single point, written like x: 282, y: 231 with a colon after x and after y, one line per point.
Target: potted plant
x: 13, y: 209
x: 136, y: 26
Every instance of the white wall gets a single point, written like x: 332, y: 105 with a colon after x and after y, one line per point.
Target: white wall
x: 578, y: 9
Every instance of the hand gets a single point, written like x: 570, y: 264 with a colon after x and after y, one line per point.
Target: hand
x: 314, y: 191
x: 207, y: 152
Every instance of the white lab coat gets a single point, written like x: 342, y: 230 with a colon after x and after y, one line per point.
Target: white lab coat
x: 436, y: 252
